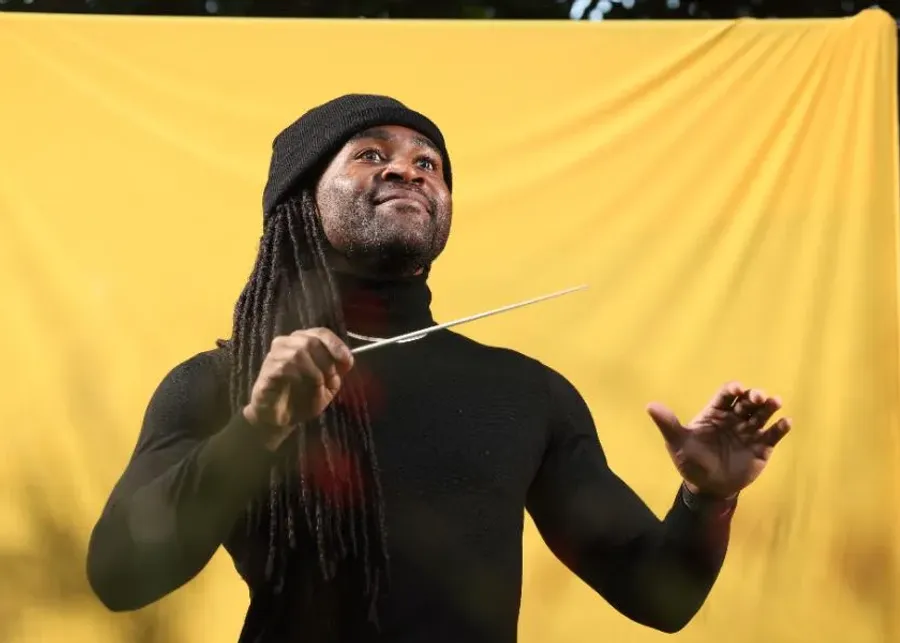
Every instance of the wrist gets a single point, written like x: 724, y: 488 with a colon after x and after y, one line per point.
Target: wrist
x: 272, y: 437
x: 694, y: 490
x: 697, y: 500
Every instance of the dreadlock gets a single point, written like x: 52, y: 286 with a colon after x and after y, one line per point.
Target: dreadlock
x: 327, y: 473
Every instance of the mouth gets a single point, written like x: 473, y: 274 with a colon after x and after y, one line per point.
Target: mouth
x: 403, y: 195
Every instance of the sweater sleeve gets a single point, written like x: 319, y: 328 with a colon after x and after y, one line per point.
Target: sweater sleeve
x: 657, y: 573
x: 190, y: 477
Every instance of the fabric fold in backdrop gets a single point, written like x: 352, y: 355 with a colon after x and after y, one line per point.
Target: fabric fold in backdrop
x: 728, y: 189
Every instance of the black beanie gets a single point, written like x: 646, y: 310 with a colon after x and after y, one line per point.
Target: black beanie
x: 311, y: 141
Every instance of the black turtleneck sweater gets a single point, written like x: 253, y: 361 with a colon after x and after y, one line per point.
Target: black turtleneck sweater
x: 468, y: 438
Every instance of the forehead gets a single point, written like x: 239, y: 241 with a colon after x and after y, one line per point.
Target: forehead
x: 394, y: 134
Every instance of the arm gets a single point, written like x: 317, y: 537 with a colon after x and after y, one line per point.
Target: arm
x: 657, y: 573
x: 190, y: 477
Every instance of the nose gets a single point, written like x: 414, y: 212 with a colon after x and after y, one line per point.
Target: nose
x: 402, y: 170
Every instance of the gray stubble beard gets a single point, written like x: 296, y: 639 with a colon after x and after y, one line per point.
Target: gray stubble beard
x: 370, y: 242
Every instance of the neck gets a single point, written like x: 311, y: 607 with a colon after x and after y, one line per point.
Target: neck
x: 375, y: 268
x: 383, y: 307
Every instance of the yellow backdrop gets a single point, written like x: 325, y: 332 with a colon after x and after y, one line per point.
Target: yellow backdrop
x: 728, y: 189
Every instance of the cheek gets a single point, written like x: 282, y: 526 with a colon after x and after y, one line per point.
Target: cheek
x: 331, y: 197
x: 446, y: 212
x: 339, y: 201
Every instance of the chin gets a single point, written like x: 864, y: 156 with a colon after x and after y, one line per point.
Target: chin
x: 404, y: 240
x: 397, y: 257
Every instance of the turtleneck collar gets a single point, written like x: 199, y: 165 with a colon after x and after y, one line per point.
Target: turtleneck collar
x: 383, y: 308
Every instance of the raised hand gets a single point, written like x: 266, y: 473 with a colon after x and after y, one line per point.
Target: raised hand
x: 299, y: 378
x: 727, y: 445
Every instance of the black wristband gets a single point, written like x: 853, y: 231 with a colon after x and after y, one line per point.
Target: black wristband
x: 702, y: 503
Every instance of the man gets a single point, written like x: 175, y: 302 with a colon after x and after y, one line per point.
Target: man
x: 267, y: 444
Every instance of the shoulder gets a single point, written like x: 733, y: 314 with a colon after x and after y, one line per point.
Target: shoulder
x: 193, y: 393
x: 204, y: 372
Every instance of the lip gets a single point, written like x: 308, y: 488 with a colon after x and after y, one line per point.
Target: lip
x: 408, y: 195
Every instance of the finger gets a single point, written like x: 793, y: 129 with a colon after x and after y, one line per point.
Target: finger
x: 774, y: 435
x: 300, y: 356
x: 725, y: 397
x: 758, y: 417
x: 292, y: 356
x: 334, y: 384
x: 288, y: 348
x: 323, y: 358
x: 756, y: 396
x: 308, y: 370
x: 277, y: 370
x: 667, y: 423
x: 746, y: 404
x: 340, y: 352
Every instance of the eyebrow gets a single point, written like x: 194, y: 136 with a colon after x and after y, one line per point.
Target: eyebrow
x: 380, y: 134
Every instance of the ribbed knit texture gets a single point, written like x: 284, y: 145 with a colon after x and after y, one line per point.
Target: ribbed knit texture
x: 468, y: 438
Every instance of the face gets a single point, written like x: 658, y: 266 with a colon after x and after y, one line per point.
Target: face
x: 383, y: 203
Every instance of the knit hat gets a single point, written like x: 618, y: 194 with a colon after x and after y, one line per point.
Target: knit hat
x: 311, y: 141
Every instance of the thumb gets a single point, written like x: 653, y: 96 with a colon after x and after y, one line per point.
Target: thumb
x: 667, y: 422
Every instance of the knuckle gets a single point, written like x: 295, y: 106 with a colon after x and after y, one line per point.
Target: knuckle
x: 323, y: 333
x: 301, y: 343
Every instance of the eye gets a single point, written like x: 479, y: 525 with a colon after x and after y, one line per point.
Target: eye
x: 427, y: 163
x: 370, y: 154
